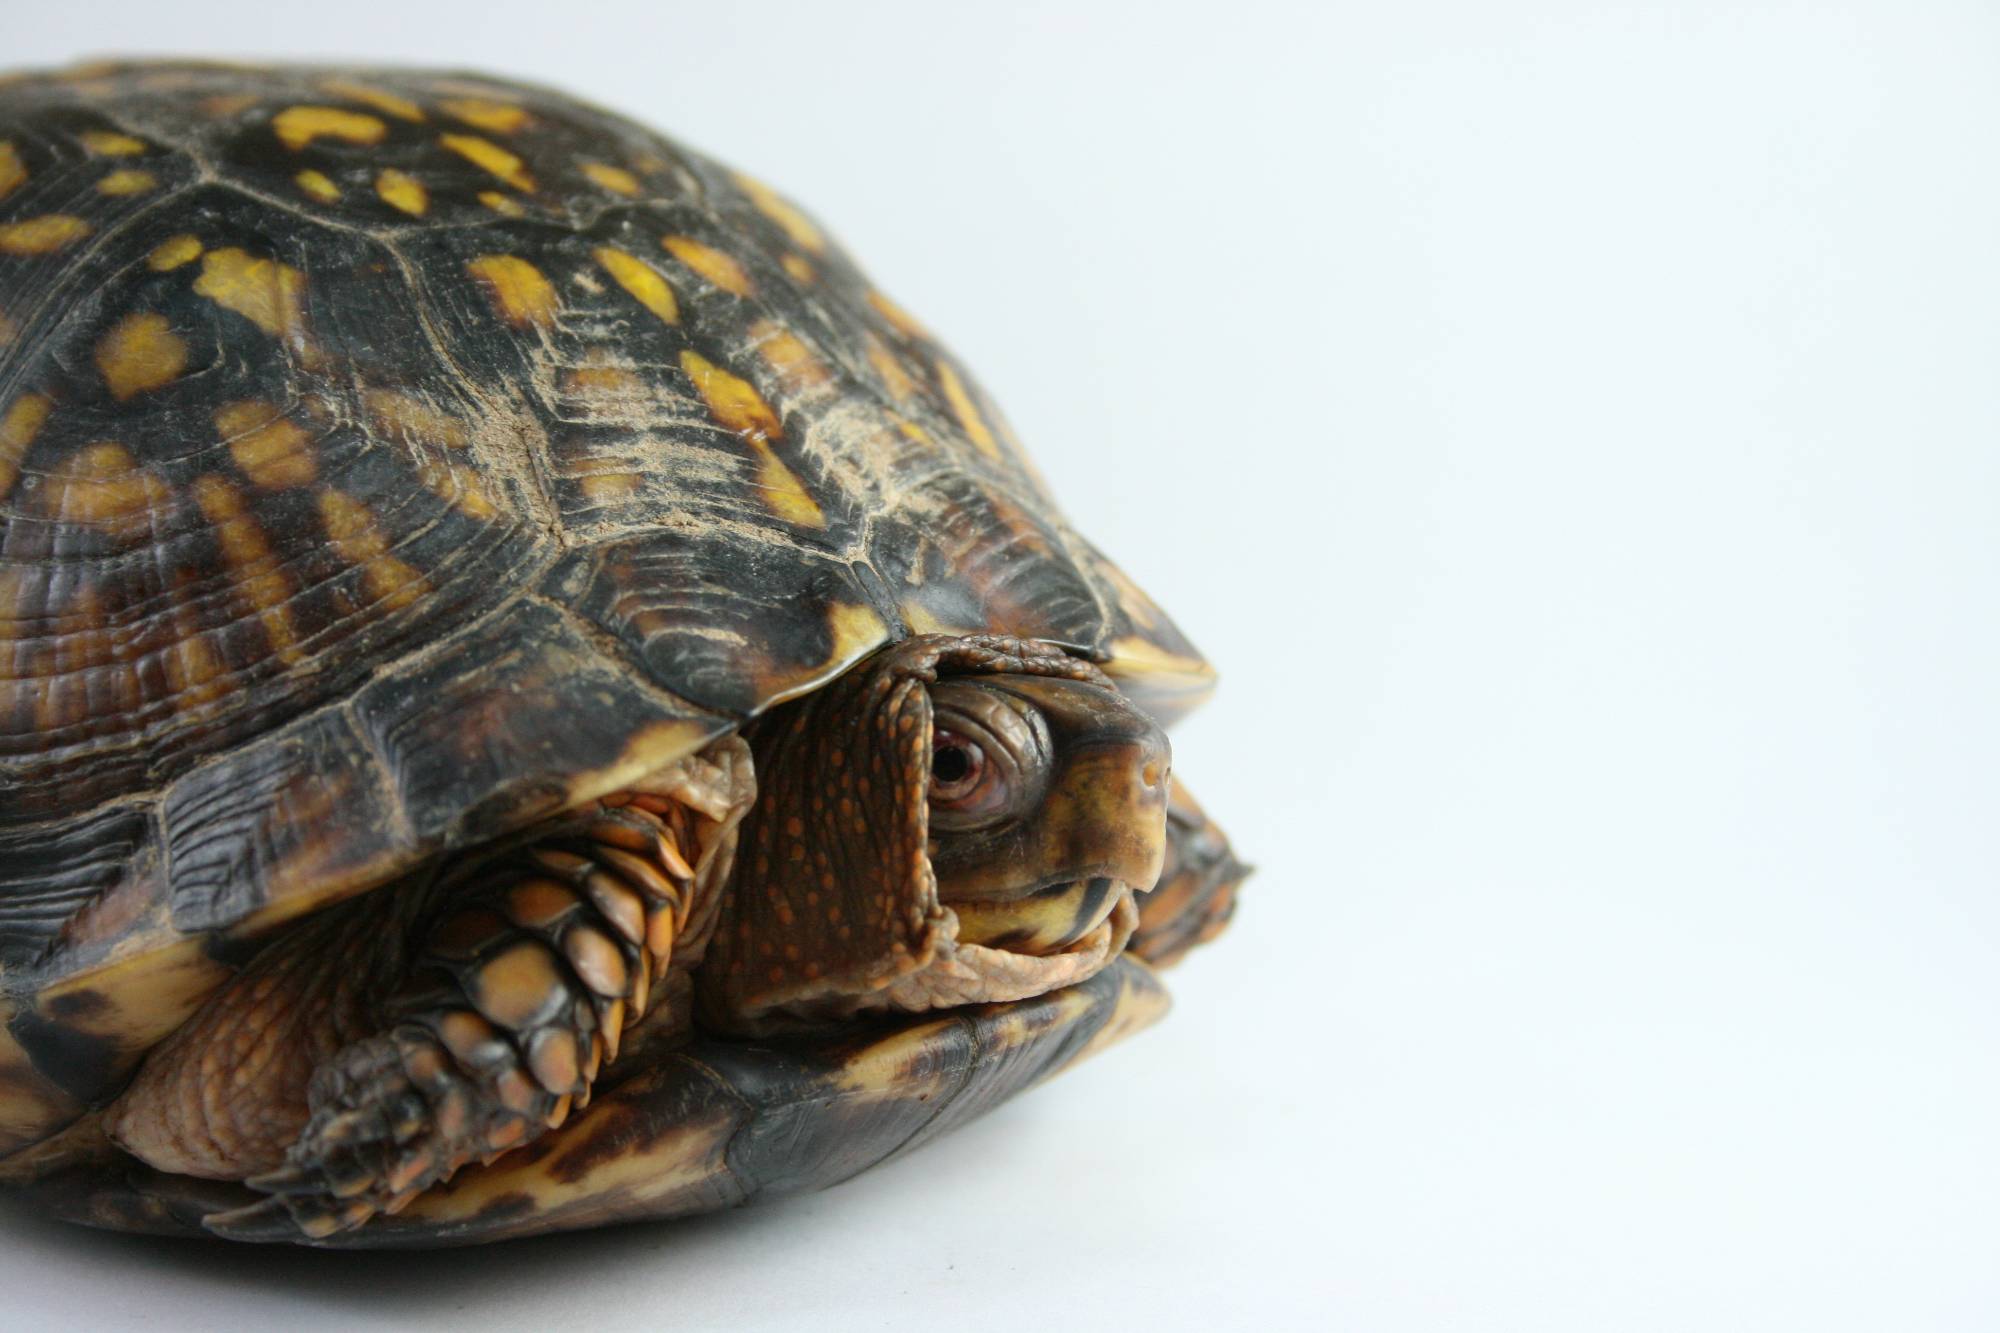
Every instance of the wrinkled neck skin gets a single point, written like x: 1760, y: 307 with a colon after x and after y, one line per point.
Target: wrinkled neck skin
x: 956, y: 821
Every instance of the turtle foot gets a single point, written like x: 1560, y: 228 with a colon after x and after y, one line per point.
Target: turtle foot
x: 391, y: 1116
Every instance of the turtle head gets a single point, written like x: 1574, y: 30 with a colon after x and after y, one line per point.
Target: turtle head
x: 1048, y: 802
x: 954, y: 821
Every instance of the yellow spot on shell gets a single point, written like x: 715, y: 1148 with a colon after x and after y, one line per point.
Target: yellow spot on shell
x: 890, y: 368
x: 900, y: 319
x: 609, y: 487
x: 298, y: 126
x: 519, y: 292
x: 256, y: 573
x: 85, y: 640
x: 794, y: 223
x: 403, y: 192
x: 615, y: 179
x: 1188, y: 680
x: 106, y: 143
x: 224, y: 105
x: 101, y: 485
x: 457, y: 485
x: 195, y: 674
x: 490, y: 157
x: 173, y: 252
x: 319, y: 185
x: 18, y: 428
x: 648, y: 288
x: 588, y: 381
x: 12, y: 172
x: 911, y: 431
x: 922, y: 620
x: 269, y: 294
x: 402, y: 108
x: 354, y: 534
x: 272, y: 451
x: 140, y: 352
x: 797, y: 367
x: 504, y: 205
x: 740, y: 409
x: 483, y: 114
x: 720, y: 269
x: 963, y: 408
x: 408, y: 418
x: 121, y: 183
x: 854, y: 630
x: 799, y: 267
x: 43, y: 235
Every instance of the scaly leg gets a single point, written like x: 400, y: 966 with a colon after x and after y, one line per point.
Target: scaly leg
x: 503, y: 1005
x: 516, y: 999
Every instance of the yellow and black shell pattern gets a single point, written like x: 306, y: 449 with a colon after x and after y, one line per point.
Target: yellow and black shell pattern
x: 389, y: 459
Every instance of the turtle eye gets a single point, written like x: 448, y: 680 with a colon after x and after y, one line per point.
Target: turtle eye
x: 961, y: 779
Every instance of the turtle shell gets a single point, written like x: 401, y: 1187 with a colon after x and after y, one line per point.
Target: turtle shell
x: 389, y: 459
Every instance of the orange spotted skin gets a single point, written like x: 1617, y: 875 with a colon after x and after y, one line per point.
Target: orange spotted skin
x: 392, y: 459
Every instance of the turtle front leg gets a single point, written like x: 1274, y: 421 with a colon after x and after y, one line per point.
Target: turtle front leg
x: 516, y: 999
x: 505, y: 1004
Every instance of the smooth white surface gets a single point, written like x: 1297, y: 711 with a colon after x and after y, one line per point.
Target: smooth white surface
x: 1572, y: 428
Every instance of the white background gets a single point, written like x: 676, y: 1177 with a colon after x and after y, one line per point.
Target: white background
x: 1572, y: 429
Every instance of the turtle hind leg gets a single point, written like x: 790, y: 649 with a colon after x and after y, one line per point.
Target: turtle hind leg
x: 224, y: 1096
x: 515, y: 1000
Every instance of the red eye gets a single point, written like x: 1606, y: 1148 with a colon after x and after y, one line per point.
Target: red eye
x: 958, y: 768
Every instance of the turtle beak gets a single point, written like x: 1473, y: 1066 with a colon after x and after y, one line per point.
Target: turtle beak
x: 1106, y: 815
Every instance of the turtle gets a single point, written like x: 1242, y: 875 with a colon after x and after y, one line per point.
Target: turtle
x: 535, y: 695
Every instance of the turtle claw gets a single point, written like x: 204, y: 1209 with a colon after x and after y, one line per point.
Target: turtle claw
x: 267, y: 1220
x: 285, y: 1180
x: 354, y: 1161
x: 375, y: 1140
x: 280, y: 1219
x: 286, y: 1217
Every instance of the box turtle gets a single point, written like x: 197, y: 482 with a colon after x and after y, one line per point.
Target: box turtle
x: 534, y: 696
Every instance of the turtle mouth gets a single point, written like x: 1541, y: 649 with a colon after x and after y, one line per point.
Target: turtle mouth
x: 963, y: 971
x: 1044, y: 919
